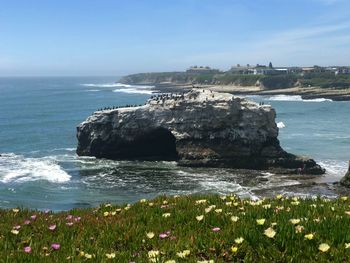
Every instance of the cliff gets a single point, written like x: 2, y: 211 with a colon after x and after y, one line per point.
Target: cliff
x: 346, y: 179
x: 198, y: 128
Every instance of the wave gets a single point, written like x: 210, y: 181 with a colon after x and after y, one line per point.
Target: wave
x: 116, y: 85
x: 281, y: 125
x: 19, y: 169
x: 296, y: 98
x: 134, y: 91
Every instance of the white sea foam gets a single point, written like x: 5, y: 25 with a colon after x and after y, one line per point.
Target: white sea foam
x: 295, y: 98
x: 134, y: 91
x: 281, y: 125
x: 16, y: 168
x: 125, y: 88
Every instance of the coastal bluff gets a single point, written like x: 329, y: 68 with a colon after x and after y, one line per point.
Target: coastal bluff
x: 200, y: 128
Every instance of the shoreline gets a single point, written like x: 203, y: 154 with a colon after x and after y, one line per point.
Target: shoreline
x: 305, y: 93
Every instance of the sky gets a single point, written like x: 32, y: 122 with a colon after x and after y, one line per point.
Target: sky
x: 118, y: 37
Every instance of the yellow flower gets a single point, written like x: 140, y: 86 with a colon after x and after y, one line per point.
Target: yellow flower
x: 223, y: 197
x: 344, y: 198
x: 112, y: 255
x: 113, y: 213
x: 170, y: 261
x: 235, y: 204
x: 153, y: 253
x: 260, y: 221
x: 183, y: 254
x: 106, y: 214
x: 324, y: 247
x: 267, y: 206
x: 218, y: 211
x: 150, y: 204
x: 14, y: 231
x: 165, y: 202
x: 81, y: 253
x: 347, y: 245
x: 150, y: 235
x: 294, y: 221
x: 309, y: 236
x: 88, y: 256
x: 270, y: 232
x: 299, y: 229
x: 234, y: 249
x: 202, y: 201
x: 143, y: 201
x: 234, y: 218
x: 295, y: 203
x: 239, y: 240
x: 200, y: 218
x: 166, y: 215
x: 279, y: 196
x: 15, y: 210
x: 118, y: 210
x: 228, y: 203
x: 108, y: 205
x: 206, y: 261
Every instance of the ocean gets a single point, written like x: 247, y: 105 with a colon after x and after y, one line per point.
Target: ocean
x: 39, y: 168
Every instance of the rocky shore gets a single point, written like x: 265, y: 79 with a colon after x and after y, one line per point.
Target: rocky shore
x: 200, y: 128
x: 345, y: 181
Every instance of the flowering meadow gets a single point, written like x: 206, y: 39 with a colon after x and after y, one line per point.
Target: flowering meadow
x: 182, y: 229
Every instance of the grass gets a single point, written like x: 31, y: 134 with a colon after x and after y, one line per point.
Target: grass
x: 182, y: 229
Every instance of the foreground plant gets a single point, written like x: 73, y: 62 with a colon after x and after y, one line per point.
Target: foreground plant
x: 182, y: 229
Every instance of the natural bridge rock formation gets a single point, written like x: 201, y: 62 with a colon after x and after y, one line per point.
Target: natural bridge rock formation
x: 198, y: 128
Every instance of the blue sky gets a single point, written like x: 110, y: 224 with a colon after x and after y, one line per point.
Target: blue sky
x: 105, y: 37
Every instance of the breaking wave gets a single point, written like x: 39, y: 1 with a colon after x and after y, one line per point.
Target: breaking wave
x: 125, y: 88
x: 17, y: 168
x: 281, y: 125
x: 295, y: 98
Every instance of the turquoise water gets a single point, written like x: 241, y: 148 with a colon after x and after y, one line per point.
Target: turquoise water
x: 39, y: 168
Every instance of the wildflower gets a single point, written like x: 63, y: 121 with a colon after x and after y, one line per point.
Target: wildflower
x: 218, y: 211
x: 150, y: 235
x: 270, y: 232
x: 235, y: 204
x: 332, y: 208
x: 228, y: 203
x: 113, y: 213
x: 163, y: 235
x: 216, y: 229
x: 309, y: 236
x: 27, y: 249
x: 206, y: 261
x: 88, y: 256
x: 273, y: 224
x: 324, y: 247
x: 223, y: 197
x: 313, y: 205
x: 14, y: 231
x: 143, y: 201
x: 260, y: 221
x: 207, y: 210
x: 17, y: 227
x: 69, y: 217
x: 110, y: 256
x: 234, y: 218
x: 294, y: 221
x: 299, y: 229
x: 170, y: 261
x: 106, y: 213
x: 52, y: 227
x: 347, y: 245
x: 295, y: 203
x: 27, y: 222
x: 69, y: 223
x: 108, y: 205
x: 347, y: 212
x: 150, y: 204
x: 153, y: 253
x: 344, y: 198
x: 279, y: 197
x: 267, y: 206
x: 202, y: 201
x: 166, y: 215
x: 200, y: 218
x: 55, y: 246
x: 239, y: 240
x: 15, y: 210
x: 234, y: 249
x: 183, y: 254
x: 33, y: 217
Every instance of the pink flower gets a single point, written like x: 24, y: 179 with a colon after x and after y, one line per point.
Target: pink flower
x: 33, y: 217
x: 27, y: 222
x: 216, y: 229
x: 55, y: 246
x: 69, y: 223
x: 27, y: 249
x: 163, y: 235
x: 17, y: 227
x: 173, y: 238
x: 69, y: 217
x: 77, y: 218
x: 52, y: 227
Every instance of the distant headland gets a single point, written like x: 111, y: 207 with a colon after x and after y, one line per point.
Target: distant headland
x: 309, y: 82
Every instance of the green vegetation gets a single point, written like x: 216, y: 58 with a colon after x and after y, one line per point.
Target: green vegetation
x: 182, y: 229
x: 323, y: 80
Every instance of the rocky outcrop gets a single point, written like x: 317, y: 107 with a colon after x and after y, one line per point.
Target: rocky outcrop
x: 346, y: 179
x: 198, y: 128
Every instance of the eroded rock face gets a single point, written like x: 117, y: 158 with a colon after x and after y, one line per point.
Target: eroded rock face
x: 199, y: 128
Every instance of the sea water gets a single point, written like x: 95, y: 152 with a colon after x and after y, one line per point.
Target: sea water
x: 39, y: 167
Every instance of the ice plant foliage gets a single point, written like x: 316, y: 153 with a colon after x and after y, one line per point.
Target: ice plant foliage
x: 202, y: 229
